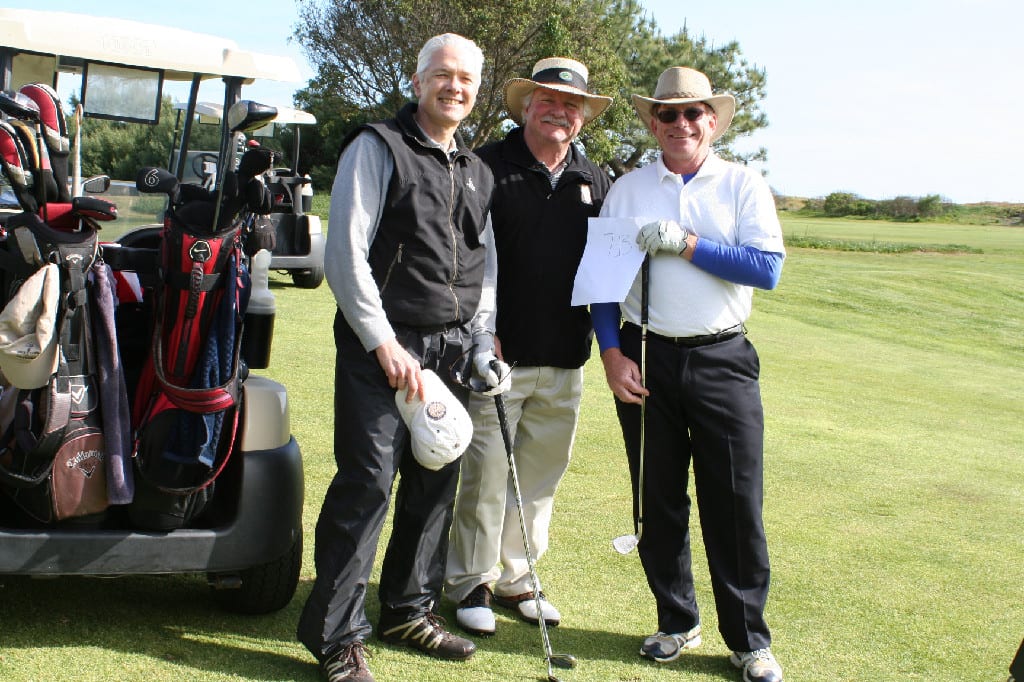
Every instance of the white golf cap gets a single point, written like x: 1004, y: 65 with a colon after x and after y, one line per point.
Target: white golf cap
x: 439, y: 427
x: 28, y: 330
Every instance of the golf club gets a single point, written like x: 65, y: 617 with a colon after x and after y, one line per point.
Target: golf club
x: 20, y: 107
x: 243, y: 116
x: 462, y: 373
x: 624, y: 544
x: 564, y: 661
x: 76, y: 175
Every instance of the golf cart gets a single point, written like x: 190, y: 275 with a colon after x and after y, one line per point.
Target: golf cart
x: 298, y: 237
x: 248, y: 538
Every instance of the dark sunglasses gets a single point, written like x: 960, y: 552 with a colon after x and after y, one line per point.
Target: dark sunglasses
x: 691, y: 114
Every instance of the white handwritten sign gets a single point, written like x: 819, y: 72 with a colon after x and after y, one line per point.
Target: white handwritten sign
x: 610, y: 261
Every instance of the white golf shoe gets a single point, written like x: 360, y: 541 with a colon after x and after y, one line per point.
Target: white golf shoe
x: 474, y: 614
x: 525, y: 606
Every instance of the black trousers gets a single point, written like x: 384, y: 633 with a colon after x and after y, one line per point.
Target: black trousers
x: 704, y: 407
x: 371, y: 446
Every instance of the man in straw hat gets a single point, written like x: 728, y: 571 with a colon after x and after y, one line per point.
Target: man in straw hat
x: 409, y: 261
x: 545, y: 190
x: 712, y: 235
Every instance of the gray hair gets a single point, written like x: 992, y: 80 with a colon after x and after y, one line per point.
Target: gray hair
x: 476, y: 55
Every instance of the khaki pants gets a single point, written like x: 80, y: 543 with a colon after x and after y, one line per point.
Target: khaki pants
x: 542, y: 408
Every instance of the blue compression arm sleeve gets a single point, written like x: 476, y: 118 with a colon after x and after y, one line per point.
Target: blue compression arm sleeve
x: 605, y: 317
x: 739, y: 264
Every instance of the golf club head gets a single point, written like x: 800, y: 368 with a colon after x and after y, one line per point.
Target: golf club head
x: 246, y: 115
x: 624, y: 544
x: 19, y: 105
x: 563, y: 661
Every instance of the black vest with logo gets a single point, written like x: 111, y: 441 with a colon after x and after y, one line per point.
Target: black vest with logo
x: 427, y: 258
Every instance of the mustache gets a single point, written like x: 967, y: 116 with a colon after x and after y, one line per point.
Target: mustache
x: 556, y: 120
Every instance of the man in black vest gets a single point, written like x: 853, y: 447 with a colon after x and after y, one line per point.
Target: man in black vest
x: 545, y: 192
x: 411, y: 263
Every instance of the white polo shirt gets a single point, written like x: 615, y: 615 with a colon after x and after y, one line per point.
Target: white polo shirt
x: 724, y: 202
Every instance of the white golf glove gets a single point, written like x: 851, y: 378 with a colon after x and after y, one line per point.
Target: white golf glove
x: 661, y: 235
x: 495, y: 373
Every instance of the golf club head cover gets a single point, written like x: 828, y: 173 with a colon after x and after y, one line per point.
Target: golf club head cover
x: 94, y: 208
x: 258, y: 198
x: 254, y: 161
x: 15, y: 163
x: 190, y: 192
x: 39, y: 158
x: 150, y: 180
x: 195, y: 216
x: 231, y: 202
x: 55, y: 133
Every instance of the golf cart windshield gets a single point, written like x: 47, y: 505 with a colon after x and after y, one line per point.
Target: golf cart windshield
x: 121, y: 70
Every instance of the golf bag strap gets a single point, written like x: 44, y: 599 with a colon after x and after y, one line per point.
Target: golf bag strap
x: 194, y: 280
x: 44, y: 447
x: 199, y: 400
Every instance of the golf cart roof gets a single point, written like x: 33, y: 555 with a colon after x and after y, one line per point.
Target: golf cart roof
x: 213, y: 112
x: 75, y: 38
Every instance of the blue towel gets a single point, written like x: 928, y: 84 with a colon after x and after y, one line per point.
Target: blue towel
x: 199, y: 435
x: 113, y: 393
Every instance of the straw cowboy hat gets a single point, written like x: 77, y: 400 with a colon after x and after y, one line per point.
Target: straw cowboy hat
x: 555, y: 73
x: 681, y: 85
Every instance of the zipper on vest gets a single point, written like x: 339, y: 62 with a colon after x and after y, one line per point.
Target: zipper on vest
x: 455, y: 241
x: 391, y: 268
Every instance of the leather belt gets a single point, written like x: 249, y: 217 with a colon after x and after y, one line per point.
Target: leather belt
x: 693, y: 341
x: 431, y: 329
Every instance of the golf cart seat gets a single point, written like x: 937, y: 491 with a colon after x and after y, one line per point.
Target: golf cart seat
x: 284, y: 185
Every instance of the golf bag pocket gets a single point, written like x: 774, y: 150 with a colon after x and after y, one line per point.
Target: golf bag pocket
x: 53, y: 461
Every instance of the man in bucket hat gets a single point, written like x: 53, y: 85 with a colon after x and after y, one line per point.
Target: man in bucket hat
x: 545, y: 190
x: 712, y: 235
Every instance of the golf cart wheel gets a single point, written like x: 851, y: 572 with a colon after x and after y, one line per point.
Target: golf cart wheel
x: 308, y: 279
x: 264, y: 588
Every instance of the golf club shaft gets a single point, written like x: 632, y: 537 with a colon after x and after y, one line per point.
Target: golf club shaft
x: 645, y: 286
x: 506, y: 435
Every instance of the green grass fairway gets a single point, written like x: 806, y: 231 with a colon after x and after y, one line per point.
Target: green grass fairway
x: 893, y: 389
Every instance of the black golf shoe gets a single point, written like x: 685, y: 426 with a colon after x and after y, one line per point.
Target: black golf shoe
x: 425, y: 632
x: 348, y: 665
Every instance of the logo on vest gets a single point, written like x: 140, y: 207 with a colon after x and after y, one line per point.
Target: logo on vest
x: 470, y: 186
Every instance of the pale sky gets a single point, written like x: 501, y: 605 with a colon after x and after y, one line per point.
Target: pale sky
x: 878, y: 98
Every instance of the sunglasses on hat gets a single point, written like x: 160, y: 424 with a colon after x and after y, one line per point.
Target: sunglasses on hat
x: 691, y: 114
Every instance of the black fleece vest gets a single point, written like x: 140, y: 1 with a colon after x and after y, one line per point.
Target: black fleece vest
x: 427, y: 257
x: 540, y: 235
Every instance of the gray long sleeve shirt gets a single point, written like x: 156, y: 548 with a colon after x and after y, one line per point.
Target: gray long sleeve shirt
x: 358, y: 197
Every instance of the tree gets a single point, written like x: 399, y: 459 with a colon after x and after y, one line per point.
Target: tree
x: 364, y: 52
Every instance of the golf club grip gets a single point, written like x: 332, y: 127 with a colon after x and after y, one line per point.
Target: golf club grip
x: 645, y: 287
x: 499, y: 406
